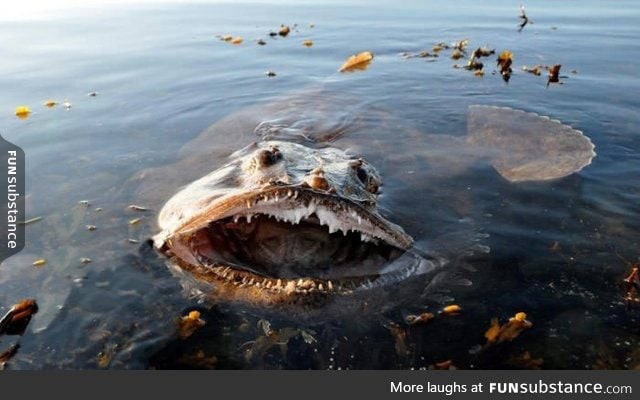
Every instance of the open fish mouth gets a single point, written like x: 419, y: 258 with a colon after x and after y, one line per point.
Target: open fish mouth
x: 293, y: 239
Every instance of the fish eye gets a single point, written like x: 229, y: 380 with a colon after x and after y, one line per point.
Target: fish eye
x: 362, y: 175
x: 266, y: 158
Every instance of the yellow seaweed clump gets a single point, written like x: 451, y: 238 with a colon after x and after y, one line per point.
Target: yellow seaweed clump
x: 504, y: 62
x: 358, y: 61
x: 39, y: 262
x: 189, y: 324
x: 23, y: 112
x: 507, y: 332
x: 419, y: 319
x: 453, y: 309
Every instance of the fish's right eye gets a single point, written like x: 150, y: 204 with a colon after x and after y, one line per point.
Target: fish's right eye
x: 266, y: 158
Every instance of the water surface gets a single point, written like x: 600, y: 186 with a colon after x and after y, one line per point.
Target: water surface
x: 558, y: 248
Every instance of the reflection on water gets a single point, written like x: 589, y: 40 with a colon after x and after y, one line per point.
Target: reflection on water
x: 558, y: 248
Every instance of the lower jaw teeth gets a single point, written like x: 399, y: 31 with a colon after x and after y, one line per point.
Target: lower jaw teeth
x: 309, y: 286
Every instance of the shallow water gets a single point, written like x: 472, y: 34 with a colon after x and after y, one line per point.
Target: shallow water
x: 558, y: 248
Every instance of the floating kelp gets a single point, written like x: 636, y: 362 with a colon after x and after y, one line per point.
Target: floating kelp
x: 474, y: 65
x: 482, y: 52
x: 632, y: 285
x: 284, y: 30
x: 457, y: 54
x: 188, y: 324
x: 554, y: 74
x: 443, y: 365
x: 507, y: 332
x: 23, y: 112
x: 461, y: 45
x: 537, y: 70
x: 421, y: 54
x: 39, y: 262
x: 439, y: 47
x: 524, y: 18
x: 15, y: 321
x: 504, y: 62
x: 358, y: 61
x: 231, y: 39
x: 452, y: 309
x: 419, y: 319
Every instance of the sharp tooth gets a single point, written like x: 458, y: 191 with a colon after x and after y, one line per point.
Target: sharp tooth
x: 249, y: 216
x: 330, y: 285
x: 252, y: 281
x: 300, y: 281
x: 359, y: 220
x: 321, y: 287
x: 248, y: 203
x: 295, y: 195
x: 289, y: 193
x: 279, y: 283
x: 268, y: 284
x: 290, y: 288
x: 276, y: 197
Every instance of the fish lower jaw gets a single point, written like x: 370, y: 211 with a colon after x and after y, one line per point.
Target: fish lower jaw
x: 308, y: 285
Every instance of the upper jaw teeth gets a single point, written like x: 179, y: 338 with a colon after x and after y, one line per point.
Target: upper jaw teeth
x: 337, y: 218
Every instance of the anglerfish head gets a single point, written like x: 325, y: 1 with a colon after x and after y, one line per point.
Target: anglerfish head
x: 282, y: 222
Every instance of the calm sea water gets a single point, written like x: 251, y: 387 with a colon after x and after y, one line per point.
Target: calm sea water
x: 559, y: 249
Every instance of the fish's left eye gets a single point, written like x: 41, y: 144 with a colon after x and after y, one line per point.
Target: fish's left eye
x: 362, y: 175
